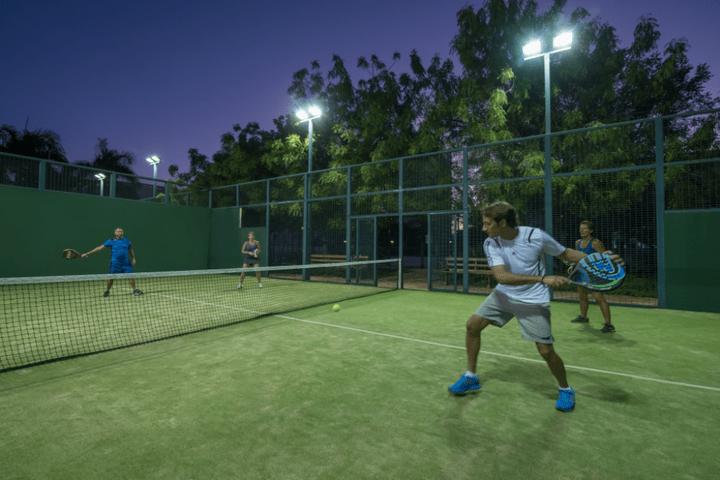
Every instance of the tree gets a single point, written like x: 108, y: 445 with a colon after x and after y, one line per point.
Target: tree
x: 114, y: 161
x: 42, y: 144
x: 36, y: 144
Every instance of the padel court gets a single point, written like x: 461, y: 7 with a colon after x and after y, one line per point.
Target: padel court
x: 362, y: 393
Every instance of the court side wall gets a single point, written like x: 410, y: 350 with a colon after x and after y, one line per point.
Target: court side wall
x: 38, y: 225
x: 227, y: 235
x: 692, y: 262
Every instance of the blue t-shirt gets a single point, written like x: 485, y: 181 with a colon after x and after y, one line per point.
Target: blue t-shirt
x: 119, y: 248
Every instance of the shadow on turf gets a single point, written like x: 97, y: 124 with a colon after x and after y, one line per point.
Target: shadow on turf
x: 593, y: 334
x: 539, y: 379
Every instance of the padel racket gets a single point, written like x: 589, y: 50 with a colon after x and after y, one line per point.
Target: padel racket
x: 597, y: 272
x: 69, y: 254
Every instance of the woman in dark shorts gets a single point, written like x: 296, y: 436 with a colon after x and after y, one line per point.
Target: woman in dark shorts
x: 251, y: 250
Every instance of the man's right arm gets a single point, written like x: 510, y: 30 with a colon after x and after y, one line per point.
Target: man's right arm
x: 94, y: 250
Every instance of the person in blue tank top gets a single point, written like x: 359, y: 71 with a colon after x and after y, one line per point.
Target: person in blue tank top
x: 588, y: 245
x: 251, y: 250
x: 122, y: 258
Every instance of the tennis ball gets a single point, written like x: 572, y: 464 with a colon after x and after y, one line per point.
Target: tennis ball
x: 336, y: 308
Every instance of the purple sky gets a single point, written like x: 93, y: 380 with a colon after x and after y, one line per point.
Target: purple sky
x: 160, y: 77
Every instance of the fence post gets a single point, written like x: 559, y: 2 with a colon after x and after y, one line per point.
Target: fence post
x: 660, y: 208
x: 113, y: 183
x: 465, y: 223
x: 41, y: 176
x: 348, y: 222
x: 401, y: 221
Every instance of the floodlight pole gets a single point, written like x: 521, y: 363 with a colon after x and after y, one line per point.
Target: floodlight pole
x: 154, y: 160
x: 304, y: 117
x: 548, y: 149
x: 154, y: 178
x: 101, y: 177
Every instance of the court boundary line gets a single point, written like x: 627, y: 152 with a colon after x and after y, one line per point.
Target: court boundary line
x: 636, y: 377
x: 574, y: 367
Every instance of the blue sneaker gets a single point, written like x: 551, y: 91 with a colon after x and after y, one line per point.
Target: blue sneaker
x: 465, y: 385
x: 566, y: 402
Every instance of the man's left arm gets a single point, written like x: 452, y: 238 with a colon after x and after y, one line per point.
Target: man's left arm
x: 571, y: 255
x: 132, y: 254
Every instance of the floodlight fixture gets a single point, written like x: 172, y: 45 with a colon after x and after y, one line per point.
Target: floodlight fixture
x: 153, y: 160
x: 310, y: 114
x: 564, y: 40
x: 101, y: 177
x: 532, y: 48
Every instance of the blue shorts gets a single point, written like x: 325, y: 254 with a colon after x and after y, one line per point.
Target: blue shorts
x: 121, y: 267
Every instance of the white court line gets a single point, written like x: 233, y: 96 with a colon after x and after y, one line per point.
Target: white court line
x: 636, y: 377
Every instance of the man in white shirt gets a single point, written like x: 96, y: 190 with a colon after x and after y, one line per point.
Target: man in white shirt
x: 516, y: 256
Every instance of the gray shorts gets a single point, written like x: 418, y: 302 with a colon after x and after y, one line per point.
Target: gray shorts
x: 533, y: 318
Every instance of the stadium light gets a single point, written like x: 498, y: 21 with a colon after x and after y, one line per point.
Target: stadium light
x: 563, y: 40
x: 154, y: 160
x: 311, y: 114
x: 533, y: 49
x: 101, y: 177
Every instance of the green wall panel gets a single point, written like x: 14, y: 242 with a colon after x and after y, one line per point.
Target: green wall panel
x: 38, y: 225
x: 227, y: 236
x: 692, y: 262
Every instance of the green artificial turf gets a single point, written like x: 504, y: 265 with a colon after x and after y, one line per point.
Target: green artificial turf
x: 362, y: 393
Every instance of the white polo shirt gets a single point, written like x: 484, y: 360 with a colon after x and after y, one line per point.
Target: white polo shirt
x: 523, y: 255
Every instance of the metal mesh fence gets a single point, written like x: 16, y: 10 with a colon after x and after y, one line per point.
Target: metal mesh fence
x: 426, y: 209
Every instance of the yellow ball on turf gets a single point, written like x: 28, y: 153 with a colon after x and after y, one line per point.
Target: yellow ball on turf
x: 336, y: 308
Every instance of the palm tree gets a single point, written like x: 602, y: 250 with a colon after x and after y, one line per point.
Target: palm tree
x: 114, y: 161
x: 43, y: 144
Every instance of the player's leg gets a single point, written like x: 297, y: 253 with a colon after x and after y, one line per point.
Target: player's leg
x: 491, y: 311
x: 557, y: 367
x: 584, y: 305
x: 470, y: 382
x: 257, y: 275
x: 566, y: 400
x: 242, y: 275
x: 134, y: 287
x: 603, y: 304
x: 109, y: 286
x: 473, y: 329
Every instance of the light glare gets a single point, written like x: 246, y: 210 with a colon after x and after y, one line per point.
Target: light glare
x: 153, y: 160
x: 532, y: 48
x: 315, y: 111
x: 100, y: 176
x: 302, y: 114
x: 563, y: 40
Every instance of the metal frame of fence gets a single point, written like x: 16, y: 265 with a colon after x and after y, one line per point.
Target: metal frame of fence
x: 454, y: 183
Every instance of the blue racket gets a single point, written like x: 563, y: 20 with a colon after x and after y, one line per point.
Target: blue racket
x: 598, y: 272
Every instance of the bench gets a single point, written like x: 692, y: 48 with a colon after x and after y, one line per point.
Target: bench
x: 318, y: 258
x: 476, y: 266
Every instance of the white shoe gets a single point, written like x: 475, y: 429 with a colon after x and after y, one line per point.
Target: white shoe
x: 259, y: 285
x: 240, y: 285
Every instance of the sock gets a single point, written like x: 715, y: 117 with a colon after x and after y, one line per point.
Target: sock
x: 569, y: 389
x: 469, y: 374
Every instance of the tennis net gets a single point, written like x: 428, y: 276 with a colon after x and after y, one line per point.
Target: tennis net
x: 43, y: 319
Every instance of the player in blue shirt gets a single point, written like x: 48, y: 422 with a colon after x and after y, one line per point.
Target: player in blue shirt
x: 120, y: 260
